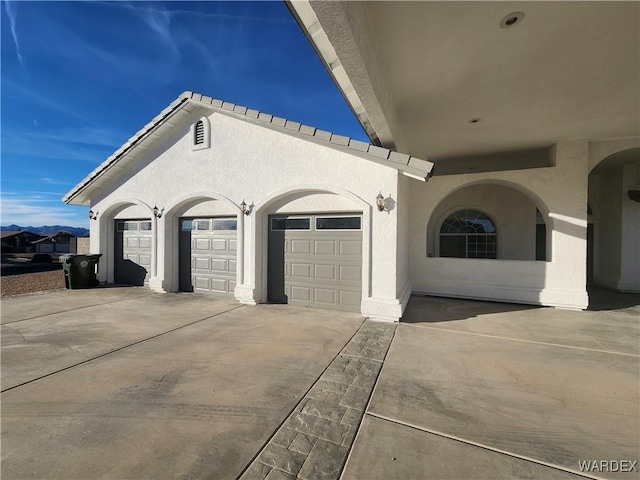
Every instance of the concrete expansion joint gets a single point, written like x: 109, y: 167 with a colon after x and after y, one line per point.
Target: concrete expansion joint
x: 315, y: 439
x: 116, y: 350
x: 513, y: 339
x: 72, y: 309
x: 484, y: 446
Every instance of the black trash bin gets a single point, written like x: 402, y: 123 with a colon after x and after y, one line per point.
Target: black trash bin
x: 80, y: 270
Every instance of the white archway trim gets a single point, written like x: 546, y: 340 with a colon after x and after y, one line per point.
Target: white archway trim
x: 200, y: 195
x: 310, y: 188
x: 256, y: 288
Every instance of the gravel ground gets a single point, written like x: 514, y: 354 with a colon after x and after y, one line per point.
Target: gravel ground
x: 31, y: 282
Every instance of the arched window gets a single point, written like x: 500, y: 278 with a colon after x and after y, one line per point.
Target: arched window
x: 468, y: 234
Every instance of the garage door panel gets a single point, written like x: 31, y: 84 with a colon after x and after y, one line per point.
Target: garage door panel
x: 300, y: 270
x: 325, y: 247
x: 325, y: 296
x: 202, y: 244
x: 351, y: 247
x: 352, y: 299
x: 350, y: 273
x: 325, y: 272
x: 219, y: 285
x: 144, y: 242
x: 232, y: 266
x: 201, y: 283
x: 300, y: 293
x: 144, y: 260
x: 300, y: 246
x: 219, y: 245
x: 219, y: 265
x: 132, y: 242
x: 201, y: 263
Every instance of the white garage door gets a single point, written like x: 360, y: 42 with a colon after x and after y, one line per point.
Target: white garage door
x: 316, y: 260
x: 208, y: 254
x: 132, y: 251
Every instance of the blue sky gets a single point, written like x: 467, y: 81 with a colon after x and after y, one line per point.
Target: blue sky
x: 80, y: 78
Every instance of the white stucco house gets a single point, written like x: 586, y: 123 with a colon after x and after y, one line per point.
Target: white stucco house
x: 533, y: 128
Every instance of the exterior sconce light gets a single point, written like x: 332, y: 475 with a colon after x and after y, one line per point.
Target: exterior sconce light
x: 380, y: 202
x: 93, y: 215
x: 245, y: 208
x: 157, y: 212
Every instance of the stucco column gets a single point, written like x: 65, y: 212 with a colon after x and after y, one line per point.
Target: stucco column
x: 157, y: 227
x: 244, y: 291
x: 567, y: 273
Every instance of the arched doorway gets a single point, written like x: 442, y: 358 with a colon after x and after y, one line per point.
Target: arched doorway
x: 613, y: 259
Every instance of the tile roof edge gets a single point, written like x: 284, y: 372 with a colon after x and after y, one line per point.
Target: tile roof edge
x: 391, y: 158
x: 330, y: 137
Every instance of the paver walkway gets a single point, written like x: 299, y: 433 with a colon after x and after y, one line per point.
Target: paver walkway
x: 314, y: 441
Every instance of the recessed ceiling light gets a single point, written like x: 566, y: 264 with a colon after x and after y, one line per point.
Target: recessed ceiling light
x: 511, y: 20
x: 474, y: 120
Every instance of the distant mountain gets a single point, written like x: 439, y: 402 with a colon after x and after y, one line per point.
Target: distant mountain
x: 49, y: 230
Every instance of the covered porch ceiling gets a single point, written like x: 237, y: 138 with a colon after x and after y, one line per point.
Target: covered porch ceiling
x: 446, y: 81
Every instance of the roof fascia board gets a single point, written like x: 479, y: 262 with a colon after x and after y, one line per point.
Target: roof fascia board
x: 308, y: 21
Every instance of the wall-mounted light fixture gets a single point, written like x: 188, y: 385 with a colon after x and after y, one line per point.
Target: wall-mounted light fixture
x: 380, y: 202
x: 157, y: 212
x: 246, y: 209
x: 93, y: 215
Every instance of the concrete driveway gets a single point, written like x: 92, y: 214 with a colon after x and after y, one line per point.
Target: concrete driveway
x: 121, y: 383
x: 124, y: 383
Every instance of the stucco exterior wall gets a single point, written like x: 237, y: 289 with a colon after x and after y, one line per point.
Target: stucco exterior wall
x: 273, y: 172
x: 133, y: 211
x: 559, y: 192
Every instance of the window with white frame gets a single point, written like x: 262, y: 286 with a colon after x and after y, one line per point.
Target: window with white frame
x: 468, y: 234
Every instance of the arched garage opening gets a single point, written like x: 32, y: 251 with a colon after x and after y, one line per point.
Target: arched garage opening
x: 315, y: 249
x: 126, y: 242
x: 202, y: 235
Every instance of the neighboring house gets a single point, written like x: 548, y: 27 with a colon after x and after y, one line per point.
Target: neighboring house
x: 18, y: 241
x: 526, y: 125
x: 61, y: 242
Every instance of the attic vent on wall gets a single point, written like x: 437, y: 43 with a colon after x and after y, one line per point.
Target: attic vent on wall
x: 200, y: 134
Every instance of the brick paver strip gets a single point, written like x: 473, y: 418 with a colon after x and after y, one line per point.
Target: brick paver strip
x: 314, y: 441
